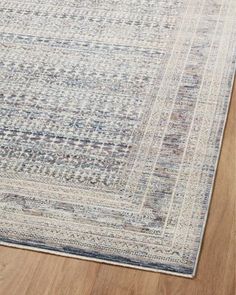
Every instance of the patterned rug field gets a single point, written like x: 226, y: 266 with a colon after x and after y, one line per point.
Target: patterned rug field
x: 111, y: 122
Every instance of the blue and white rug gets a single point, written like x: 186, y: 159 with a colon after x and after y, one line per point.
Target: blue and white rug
x: 111, y: 122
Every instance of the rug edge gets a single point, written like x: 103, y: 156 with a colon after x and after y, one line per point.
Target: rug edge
x: 85, y: 258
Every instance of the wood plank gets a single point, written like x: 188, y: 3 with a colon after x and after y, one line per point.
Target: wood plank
x: 59, y: 275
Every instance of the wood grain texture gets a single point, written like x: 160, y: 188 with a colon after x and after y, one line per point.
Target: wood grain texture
x: 30, y: 273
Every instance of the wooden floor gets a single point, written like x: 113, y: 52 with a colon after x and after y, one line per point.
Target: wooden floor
x: 30, y: 273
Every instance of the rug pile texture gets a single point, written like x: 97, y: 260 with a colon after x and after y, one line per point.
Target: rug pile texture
x: 111, y: 121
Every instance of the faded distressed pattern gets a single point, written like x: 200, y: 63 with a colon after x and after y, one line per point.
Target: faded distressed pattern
x: 111, y: 120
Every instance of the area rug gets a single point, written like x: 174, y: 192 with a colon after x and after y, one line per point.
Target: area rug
x: 111, y: 122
